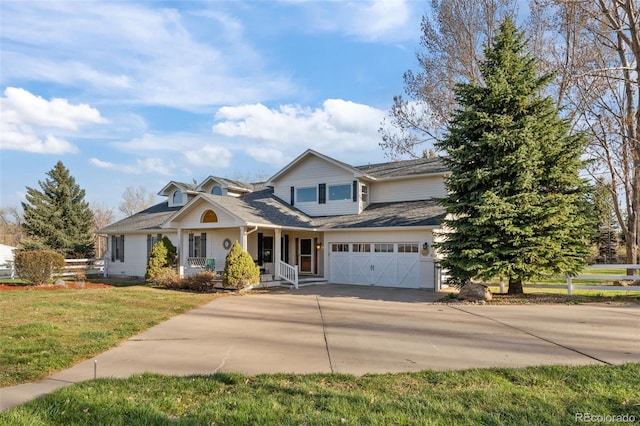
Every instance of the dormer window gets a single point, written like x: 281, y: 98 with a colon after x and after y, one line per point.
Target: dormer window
x: 216, y: 190
x: 304, y: 195
x: 177, y: 197
x: 339, y: 192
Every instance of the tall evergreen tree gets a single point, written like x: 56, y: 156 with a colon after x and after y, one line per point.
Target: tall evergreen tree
x: 58, y: 217
x: 516, y: 202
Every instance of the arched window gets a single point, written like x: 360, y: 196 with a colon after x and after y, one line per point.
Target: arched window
x: 216, y: 190
x: 177, y: 197
x: 209, y: 217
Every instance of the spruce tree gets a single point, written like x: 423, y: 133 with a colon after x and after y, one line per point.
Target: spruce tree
x: 516, y: 204
x: 57, y: 217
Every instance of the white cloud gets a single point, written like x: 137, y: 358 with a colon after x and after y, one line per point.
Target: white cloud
x: 28, y: 122
x: 137, y: 53
x: 210, y: 156
x: 56, y: 113
x: 140, y: 166
x: 340, y: 127
x: 387, y: 21
x: 193, y: 149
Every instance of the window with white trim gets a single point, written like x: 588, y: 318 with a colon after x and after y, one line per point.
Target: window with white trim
x: 364, y: 193
x: 340, y: 247
x: 216, y: 190
x: 339, y: 192
x: 117, y: 248
x: 361, y: 248
x: 306, y: 195
x: 198, y: 245
x: 177, y: 197
x: 407, y: 247
x: 383, y: 248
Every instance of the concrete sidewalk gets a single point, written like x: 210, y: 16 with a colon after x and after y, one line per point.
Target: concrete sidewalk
x: 359, y: 330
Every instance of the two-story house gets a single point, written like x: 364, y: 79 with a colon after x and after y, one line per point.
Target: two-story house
x: 367, y: 225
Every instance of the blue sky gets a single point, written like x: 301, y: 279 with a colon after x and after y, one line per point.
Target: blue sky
x: 139, y: 93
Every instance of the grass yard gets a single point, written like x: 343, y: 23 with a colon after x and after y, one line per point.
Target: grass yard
x: 42, y: 332
x: 550, y: 395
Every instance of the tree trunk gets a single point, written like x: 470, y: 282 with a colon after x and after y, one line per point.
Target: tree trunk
x: 515, y: 286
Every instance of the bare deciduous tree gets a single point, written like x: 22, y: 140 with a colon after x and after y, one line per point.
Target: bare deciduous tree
x: 454, y: 35
x: 602, y: 93
x: 135, y: 199
x: 103, y: 216
x: 11, y: 220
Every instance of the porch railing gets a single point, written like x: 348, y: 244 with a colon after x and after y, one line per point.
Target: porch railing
x: 288, y: 273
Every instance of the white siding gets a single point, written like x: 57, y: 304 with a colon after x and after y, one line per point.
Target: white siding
x: 135, y: 254
x: 215, y: 248
x: 193, y: 218
x: 421, y: 188
x: 310, y: 173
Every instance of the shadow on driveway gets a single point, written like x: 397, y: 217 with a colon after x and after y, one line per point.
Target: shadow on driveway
x: 387, y: 294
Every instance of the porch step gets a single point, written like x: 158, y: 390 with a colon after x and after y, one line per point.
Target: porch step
x: 267, y: 281
x: 305, y: 282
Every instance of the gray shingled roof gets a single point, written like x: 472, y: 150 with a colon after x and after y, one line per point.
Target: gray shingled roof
x: 263, y: 208
x: 232, y: 183
x: 418, y: 166
x: 185, y: 186
x: 146, y: 220
x: 407, y: 213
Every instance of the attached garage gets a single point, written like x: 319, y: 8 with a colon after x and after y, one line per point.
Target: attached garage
x: 387, y: 264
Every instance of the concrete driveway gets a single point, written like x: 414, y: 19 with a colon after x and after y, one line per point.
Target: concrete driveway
x: 358, y: 330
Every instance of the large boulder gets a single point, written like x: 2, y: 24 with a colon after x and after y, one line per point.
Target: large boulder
x: 475, y: 292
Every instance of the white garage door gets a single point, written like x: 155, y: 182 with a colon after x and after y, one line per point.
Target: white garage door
x: 380, y: 264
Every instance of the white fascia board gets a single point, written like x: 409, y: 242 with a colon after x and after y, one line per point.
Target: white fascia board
x: 356, y: 173
x: 385, y: 228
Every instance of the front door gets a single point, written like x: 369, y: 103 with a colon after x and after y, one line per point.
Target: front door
x: 306, y: 256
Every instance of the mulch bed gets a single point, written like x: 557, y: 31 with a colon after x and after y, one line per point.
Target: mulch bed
x: 65, y: 286
x: 541, y: 299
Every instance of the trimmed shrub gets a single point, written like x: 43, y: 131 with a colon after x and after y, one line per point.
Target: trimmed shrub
x: 162, y: 256
x: 38, y: 266
x: 202, y: 281
x: 167, y: 277
x: 239, y: 269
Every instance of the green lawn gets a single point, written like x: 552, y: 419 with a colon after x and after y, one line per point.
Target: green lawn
x: 44, y: 331
x: 552, y: 395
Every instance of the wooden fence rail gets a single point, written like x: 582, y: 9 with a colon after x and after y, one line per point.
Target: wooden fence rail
x: 441, y: 277
x: 73, y: 267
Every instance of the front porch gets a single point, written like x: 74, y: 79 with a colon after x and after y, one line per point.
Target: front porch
x: 285, y: 275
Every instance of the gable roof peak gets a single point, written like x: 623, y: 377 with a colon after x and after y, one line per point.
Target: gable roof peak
x: 308, y: 153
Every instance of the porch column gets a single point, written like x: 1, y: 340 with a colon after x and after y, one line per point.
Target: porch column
x: 277, y: 252
x: 180, y: 260
x: 243, y: 238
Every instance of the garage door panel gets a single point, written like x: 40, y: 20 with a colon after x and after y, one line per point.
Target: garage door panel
x: 408, y: 270
x: 384, y: 266
x: 385, y: 270
x: 340, y: 265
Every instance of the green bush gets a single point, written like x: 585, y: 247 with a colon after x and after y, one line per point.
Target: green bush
x: 239, y: 269
x: 38, y: 266
x: 162, y: 256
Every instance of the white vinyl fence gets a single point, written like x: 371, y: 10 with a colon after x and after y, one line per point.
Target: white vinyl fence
x: 588, y: 274
x: 73, y: 267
